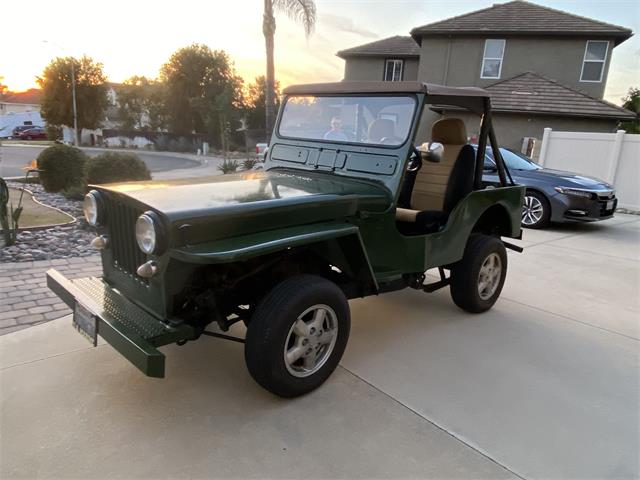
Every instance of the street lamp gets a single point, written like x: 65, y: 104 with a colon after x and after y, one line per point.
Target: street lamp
x: 76, y: 142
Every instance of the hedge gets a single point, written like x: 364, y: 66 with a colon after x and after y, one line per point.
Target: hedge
x: 113, y: 167
x: 61, y: 167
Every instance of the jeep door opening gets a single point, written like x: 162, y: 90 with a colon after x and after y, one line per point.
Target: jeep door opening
x: 347, y: 206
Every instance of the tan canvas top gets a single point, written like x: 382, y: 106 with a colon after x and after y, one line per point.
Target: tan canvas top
x: 384, y: 87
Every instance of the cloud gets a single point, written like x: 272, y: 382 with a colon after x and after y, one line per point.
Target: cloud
x: 345, y: 24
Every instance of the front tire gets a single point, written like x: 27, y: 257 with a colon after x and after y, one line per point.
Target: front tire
x: 477, y: 279
x: 297, y: 335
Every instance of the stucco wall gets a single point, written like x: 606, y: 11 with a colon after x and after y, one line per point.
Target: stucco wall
x: 557, y: 58
x: 372, y: 68
x: 512, y: 128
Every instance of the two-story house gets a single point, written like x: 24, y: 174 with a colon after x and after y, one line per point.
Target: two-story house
x: 543, y: 67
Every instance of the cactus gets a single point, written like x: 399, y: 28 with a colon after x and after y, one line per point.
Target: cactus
x: 9, y: 217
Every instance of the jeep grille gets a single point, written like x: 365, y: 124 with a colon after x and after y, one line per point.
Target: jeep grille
x: 127, y: 257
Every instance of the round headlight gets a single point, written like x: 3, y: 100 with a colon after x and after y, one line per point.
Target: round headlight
x: 146, y: 233
x: 91, y: 208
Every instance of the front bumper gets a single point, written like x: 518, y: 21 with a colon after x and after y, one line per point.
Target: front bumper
x: 133, y: 332
x: 567, y: 208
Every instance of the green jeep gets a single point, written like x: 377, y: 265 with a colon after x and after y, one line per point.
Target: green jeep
x: 346, y: 206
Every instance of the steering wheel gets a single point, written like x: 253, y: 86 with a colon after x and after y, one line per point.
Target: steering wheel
x: 390, y: 140
x: 415, y: 160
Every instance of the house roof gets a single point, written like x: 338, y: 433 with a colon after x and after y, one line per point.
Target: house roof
x: 522, y: 18
x: 397, y: 46
x: 33, y: 96
x: 532, y: 93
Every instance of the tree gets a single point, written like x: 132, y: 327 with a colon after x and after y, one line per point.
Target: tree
x: 91, y: 92
x: 303, y: 11
x: 140, y: 104
x: 255, y: 102
x: 201, y: 87
x: 4, y: 90
x: 632, y: 102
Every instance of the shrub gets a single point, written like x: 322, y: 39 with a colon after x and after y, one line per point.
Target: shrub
x: 182, y: 145
x: 228, y: 166
x: 249, y: 163
x: 61, y: 166
x: 112, y: 167
x: 161, y: 144
x: 75, y: 192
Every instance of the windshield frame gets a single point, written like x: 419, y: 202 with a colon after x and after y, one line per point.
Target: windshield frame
x: 407, y: 138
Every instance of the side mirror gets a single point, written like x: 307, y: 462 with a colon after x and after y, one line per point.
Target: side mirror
x: 432, y: 152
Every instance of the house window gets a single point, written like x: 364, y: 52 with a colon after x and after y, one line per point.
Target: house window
x: 492, y: 58
x: 393, y: 70
x: 595, y: 56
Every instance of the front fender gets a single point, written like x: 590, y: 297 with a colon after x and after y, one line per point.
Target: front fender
x: 339, y: 242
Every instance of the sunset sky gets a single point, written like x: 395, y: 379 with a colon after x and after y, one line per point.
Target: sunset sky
x: 137, y: 37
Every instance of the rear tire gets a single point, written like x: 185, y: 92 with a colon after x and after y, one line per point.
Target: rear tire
x: 297, y: 335
x: 477, y: 279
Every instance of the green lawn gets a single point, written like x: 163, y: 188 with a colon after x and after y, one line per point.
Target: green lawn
x: 35, y: 214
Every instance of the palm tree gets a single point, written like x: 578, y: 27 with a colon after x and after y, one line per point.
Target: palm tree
x: 303, y: 11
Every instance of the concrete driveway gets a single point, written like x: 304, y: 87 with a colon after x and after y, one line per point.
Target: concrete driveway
x: 545, y: 385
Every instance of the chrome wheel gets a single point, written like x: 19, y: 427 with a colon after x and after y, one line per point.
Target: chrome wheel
x: 532, y: 210
x: 489, y: 277
x: 311, y: 340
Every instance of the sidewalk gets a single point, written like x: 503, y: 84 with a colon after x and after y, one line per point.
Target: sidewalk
x: 25, y: 299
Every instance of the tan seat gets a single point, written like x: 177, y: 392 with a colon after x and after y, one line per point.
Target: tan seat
x: 381, y: 128
x: 434, y: 192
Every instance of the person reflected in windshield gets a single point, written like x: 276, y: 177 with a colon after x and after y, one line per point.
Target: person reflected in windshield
x: 336, y: 133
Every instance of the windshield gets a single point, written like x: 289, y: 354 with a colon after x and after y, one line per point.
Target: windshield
x: 383, y: 120
x: 513, y: 160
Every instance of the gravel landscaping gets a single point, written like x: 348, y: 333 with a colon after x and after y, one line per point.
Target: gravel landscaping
x: 65, y: 241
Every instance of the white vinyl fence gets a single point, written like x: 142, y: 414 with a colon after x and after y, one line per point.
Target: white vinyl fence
x: 614, y: 157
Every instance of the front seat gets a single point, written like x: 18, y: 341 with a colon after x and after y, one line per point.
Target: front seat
x: 438, y: 187
x: 380, y: 129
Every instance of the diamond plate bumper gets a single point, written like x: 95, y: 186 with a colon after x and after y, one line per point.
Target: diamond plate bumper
x: 129, y: 329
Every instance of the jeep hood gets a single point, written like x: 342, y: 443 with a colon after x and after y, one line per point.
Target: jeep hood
x: 226, y: 205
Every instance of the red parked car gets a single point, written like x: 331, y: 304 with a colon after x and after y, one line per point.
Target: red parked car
x: 35, y: 133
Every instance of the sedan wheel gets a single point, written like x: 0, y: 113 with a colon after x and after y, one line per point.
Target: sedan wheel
x: 535, y: 210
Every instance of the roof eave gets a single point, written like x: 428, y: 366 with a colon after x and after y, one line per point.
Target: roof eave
x: 345, y: 55
x: 619, y: 117
x: 618, y: 36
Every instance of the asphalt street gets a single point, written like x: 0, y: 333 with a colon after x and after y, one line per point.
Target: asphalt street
x: 14, y: 157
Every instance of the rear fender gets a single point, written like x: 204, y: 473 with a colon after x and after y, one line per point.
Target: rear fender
x: 447, y: 246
